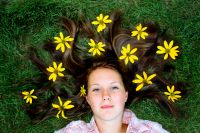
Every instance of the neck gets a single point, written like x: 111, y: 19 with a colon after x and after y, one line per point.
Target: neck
x: 116, y: 126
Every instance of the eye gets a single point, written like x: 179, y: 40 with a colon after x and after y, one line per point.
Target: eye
x: 115, y: 87
x: 95, y: 89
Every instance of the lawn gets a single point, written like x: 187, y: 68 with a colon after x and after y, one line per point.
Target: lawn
x: 25, y: 23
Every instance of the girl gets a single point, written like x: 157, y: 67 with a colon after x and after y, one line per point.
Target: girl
x: 106, y: 95
x: 120, y: 67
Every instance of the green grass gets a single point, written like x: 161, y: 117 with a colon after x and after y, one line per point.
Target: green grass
x: 24, y: 23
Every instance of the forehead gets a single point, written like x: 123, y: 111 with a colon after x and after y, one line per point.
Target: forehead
x: 104, y: 74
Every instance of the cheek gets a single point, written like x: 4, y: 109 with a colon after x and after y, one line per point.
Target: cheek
x: 120, y: 99
x: 93, y: 100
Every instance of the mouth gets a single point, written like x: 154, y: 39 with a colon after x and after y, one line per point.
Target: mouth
x: 107, y: 106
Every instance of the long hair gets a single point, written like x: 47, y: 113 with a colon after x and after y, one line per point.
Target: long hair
x: 78, y: 64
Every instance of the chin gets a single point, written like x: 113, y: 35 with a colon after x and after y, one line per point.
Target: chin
x: 108, y: 116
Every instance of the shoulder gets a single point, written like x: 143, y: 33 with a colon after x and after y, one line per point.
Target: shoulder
x: 74, y: 127
x: 144, y: 126
x: 154, y: 127
x: 147, y: 126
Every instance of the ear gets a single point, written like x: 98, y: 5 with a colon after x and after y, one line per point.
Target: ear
x: 88, y: 101
x: 126, y: 96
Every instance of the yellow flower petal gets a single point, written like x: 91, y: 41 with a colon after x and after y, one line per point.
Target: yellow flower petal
x: 50, y: 69
x: 172, y: 89
x: 145, y: 75
x: 166, y: 56
x: 133, y: 51
x: 60, y: 45
x: 25, y: 93
x: 161, y: 48
x: 53, y: 76
x: 137, y: 81
x: 67, y: 45
x: 122, y: 57
x: 166, y: 44
x: 98, y: 52
x: 95, y: 22
x: 101, y: 16
x: 59, y: 66
x: 169, y: 89
x: 92, y: 49
x: 134, y: 33
x: 138, y: 37
x: 134, y: 57
x: 60, y: 101
x: 171, y: 44
x: 139, y: 87
x: 131, y: 60
x: 63, y: 115
x: 61, y: 36
x: 107, y: 21
x: 55, y: 105
x: 151, y: 76
x: 166, y: 93
x: 58, y: 114
x: 30, y: 100
x: 177, y: 96
x: 27, y: 100
x: 160, y: 52
x: 34, y: 97
x: 172, y: 99
x: 139, y: 77
x: 177, y: 92
x: 61, y: 75
x: 144, y: 28
x: 106, y: 17
x: 54, y: 65
x: 172, y: 56
x: 128, y: 48
x: 175, y: 47
x: 58, y: 40
x: 126, y: 60
x: 68, y: 39
x: 69, y: 106
x: 31, y: 92
x: 94, y: 52
x: 139, y: 27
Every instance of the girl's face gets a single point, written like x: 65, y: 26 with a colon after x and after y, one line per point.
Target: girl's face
x: 106, y: 94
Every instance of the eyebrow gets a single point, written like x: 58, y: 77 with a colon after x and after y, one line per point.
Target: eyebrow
x: 110, y: 83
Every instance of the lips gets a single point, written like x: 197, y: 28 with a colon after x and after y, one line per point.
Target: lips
x: 107, y: 106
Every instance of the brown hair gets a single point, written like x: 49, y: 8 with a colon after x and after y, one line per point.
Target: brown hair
x: 79, y: 64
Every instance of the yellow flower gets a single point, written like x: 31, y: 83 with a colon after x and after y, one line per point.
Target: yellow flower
x: 62, y: 107
x: 172, y: 95
x: 28, y: 96
x: 101, y: 21
x: 128, y: 54
x: 83, y: 91
x: 62, y: 42
x: 96, y: 48
x: 55, y: 70
x: 140, y: 32
x: 142, y: 81
x: 168, y: 50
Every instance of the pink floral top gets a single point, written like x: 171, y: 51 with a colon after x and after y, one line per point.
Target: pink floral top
x: 135, y: 125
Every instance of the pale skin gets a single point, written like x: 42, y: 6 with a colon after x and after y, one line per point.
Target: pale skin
x: 106, y: 97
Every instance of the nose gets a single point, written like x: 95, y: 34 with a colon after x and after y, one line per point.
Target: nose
x: 106, y: 95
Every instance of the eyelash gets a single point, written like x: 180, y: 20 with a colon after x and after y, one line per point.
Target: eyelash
x: 115, y: 87
x: 96, y: 89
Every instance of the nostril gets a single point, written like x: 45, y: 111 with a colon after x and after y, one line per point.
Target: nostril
x: 106, y: 98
